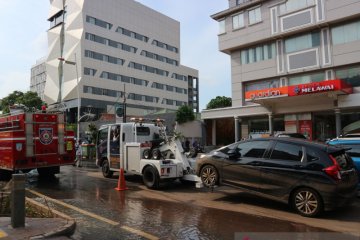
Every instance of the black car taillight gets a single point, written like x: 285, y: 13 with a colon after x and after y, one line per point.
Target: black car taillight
x: 334, y: 170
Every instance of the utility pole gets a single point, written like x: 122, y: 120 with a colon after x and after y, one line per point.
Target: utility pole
x: 124, y: 105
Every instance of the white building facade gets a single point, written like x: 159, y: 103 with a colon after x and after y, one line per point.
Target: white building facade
x: 38, y: 78
x: 295, y: 67
x: 110, y: 50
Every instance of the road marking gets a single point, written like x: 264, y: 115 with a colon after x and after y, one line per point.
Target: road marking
x: 93, y: 215
x: 139, y: 232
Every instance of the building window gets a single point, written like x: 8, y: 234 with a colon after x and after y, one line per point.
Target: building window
x: 346, y: 33
x: 349, y: 75
x: 98, y: 22
x: 238, y: 21
x: 238, y: 2
x: 165, y: 46
x: 254, y: 15
x: 131, y: 34
x: 258, y: 53
x: 302, y: 42
x: 89, y: 71
x: 275, y: 83
x: 103, y: 57
x: 159, y: 57
x: 292, y: 5
x: 149, y: 69
x: 222, y: 26
x: 316, y: 77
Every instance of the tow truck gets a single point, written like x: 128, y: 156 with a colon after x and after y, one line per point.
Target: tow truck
x: 142, y: 147
x: 34, y: 140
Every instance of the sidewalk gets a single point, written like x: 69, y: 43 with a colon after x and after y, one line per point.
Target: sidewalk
x: 37, y: 228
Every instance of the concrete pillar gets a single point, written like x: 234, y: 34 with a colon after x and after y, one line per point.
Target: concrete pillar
x: 338, y: 122
x: 271, y: 127
x: 18, y: 201
x: 236, y: 122
x: 214, y: 132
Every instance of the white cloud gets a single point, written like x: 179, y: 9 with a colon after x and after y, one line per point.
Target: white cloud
x: 12, y: 81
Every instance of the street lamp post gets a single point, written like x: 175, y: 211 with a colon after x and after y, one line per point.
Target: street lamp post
x: 78, y: 93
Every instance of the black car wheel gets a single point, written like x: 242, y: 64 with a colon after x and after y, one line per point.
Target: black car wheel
x: 156, y: 154
x: 209, y: 175
x: 151, y: 177
x: 307, y: 202
x: 106, y: 169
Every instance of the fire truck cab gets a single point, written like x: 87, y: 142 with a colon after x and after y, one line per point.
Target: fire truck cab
x: 35, y: 141
x: 143, y: 149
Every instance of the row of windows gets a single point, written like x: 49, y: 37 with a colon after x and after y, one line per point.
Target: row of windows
x: 292, y: 5
x: 168, y: 88
x: 254, y: 16
x: 172, y: 102
x: 149, y: 69
x: 98, y: 22
x: 111, y: 43
x: 179, y: 77
x: 258, y: 53
x: 103, y: 91
x: 103, y: 57
x: 274, y: 83
x: 132, y: 96
x: 346, y: 33
x: 159, y: 57
x: 122, y: 78
x: 298, y: 43
x: 165, y: 46
x: 139, y: 97
x: 132, y: 34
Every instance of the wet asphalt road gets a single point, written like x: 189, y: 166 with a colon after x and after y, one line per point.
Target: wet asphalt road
x: 134, y: 215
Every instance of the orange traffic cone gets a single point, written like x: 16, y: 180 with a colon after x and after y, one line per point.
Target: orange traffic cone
x: 121, y: 183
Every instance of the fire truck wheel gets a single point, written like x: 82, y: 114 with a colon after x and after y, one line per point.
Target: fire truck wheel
x: 5, y: 175
x: 151, y: 177
x: 147, y: 154
x: 106, y: 169
x: 47, y: 172
x: 156, y: 154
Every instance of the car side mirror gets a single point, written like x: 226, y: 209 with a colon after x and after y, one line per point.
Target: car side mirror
x: 233, y: 154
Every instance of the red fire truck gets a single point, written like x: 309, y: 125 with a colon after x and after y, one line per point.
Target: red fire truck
x: 35, y: 140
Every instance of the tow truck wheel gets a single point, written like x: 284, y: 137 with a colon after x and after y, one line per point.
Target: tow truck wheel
x: 156, y: 154
x: 106, y: 169
x: 147, y: 154
x: 151, y: 177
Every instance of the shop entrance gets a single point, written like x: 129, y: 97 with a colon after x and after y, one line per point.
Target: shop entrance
x: 324, y: 126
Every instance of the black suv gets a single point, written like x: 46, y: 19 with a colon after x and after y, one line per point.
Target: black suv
x: 312, y: 177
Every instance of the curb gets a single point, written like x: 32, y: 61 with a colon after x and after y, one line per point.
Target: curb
x: 65, y: 230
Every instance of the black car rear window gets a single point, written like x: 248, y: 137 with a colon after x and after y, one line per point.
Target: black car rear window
x: 286, y: 151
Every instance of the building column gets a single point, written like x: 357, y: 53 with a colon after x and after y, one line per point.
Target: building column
x: 236, y: 122
x: 338, y: 122
x: 271, y: 127
x: 213, y: 132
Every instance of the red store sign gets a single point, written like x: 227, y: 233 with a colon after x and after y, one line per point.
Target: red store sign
x: 318, y: 87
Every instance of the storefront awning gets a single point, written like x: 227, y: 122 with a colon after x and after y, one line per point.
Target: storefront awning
x: 329, y: 88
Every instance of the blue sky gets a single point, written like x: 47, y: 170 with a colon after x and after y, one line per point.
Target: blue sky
x: 23, y: 40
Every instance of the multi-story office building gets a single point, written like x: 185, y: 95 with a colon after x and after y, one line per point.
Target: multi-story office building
x: 295, y: 67
x: 38, y: 78
x: 111, y: 49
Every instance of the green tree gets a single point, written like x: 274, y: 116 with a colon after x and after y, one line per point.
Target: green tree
x: 93, y: 132
x: 28, y: 99
x: 184, y: 114
x: 219, y: 102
